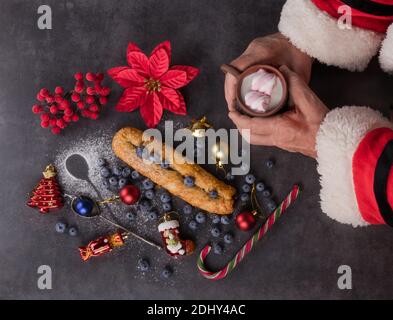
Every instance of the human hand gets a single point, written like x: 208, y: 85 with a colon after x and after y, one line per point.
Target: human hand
x: 273, y: 50
x: 296, y: 129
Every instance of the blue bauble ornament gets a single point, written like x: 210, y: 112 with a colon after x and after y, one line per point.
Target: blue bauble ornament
x: 84, y: 206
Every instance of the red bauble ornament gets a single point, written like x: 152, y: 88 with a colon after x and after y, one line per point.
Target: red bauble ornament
x: 245, y: 221
x: 129, y: 194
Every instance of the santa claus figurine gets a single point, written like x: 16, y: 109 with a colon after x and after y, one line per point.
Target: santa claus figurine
x: 170, y: 233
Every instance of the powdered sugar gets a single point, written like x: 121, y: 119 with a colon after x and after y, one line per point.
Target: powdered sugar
x: 92, y: 148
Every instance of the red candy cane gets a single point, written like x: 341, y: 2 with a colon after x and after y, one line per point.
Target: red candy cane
x: 292, y: 196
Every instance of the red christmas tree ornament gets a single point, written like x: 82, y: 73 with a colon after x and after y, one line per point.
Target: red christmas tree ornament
x: 47, y: 195
x: 245, y: 221
x: 151, y: 84
x: 174, y: 245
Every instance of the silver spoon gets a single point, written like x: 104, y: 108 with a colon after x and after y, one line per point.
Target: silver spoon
x: 78, y: 167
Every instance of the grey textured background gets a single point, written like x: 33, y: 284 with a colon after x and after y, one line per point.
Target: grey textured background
x: 299, y: 258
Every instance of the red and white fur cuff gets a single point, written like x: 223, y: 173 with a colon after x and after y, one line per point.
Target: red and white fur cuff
x: 338, y: 144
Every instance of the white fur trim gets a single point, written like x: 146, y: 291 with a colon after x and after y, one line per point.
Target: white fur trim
x: 173, y: 224
x: 386, y: 55
x: 337, y: 140
x: 175, y: 248
x: 319, y: 35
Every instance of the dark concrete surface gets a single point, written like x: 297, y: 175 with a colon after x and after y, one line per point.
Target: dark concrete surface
x: 298, y: 259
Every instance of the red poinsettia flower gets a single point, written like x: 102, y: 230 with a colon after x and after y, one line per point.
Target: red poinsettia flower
x: 151, y: 84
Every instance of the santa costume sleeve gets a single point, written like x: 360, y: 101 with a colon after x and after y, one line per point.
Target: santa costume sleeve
x: 354, y: 144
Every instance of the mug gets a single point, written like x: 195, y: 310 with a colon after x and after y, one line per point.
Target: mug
x: 240, y: 76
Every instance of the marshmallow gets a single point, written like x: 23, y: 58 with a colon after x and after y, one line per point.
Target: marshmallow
x: 257, y: 101
x: 264, y: 82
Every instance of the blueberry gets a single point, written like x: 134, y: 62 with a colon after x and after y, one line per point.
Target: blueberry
x: 225, y: 220
x: 271, y: 205
x: 148, y: 184
x: 260, y: 186
x: 246, y: 188
x: 266, y: 193
x: 122, y: 182
x: 187, y: 209
x: 244, y: 197
x: 165, y: 197
x: 164, y: 165
x: 193, y: 225
x: 217, y: 248
x: 139, y: 152
x: 228, y: 238
x: 117, y: 171
x: 60, y: 227
x: 135, y: 174
x: 167, y: 206
x: 145, y: 204
x: 152, y: 215
x: 230, y: 176
x: 189, y: 181
x: 200, y: 217
x: 269, y: 164
x: 113, y: 181
x: 131, y: 215
x: 167, y: 272
x: 149, y: 194
x: 143, y: 265
x: 105, y: 172
x: 101, y: 162
x: 105, y: 184
x: 126, y: 172
x: 215, y: 232
x: 216, y: 219
x: 250, y: 179
x: 73, y: 231
x: 213, y: 194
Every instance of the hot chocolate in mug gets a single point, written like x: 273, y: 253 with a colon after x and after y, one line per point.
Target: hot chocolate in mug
x: 261, y: 90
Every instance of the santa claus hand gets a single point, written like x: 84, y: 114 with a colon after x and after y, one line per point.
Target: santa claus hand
x: 272, y: 50
x: 294, y: 130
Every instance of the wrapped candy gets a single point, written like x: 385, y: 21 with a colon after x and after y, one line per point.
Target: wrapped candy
x: 102, y: 245
x: 170, y: 233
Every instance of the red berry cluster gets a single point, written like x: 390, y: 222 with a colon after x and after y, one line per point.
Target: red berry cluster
x: 58, y: 110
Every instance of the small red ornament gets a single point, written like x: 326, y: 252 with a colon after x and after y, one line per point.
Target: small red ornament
x: 129, y: 194
x: 245, y: 221
x: 47, y: 195
x: 151, y: 84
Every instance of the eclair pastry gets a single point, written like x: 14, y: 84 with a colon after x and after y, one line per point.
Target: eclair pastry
x: 125, y: 145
